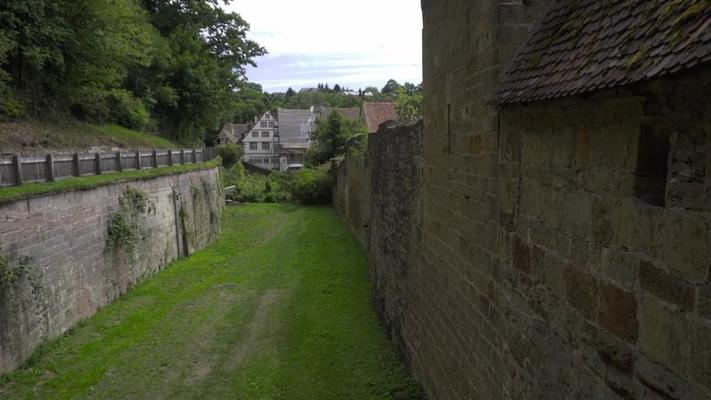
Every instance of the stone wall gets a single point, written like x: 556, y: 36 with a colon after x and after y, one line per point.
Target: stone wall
x: 378, y: 197
x: 351, y: 196
x: 66, y: 255
x: 555, y: 250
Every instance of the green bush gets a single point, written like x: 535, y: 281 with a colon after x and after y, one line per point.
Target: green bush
x: 127, y: 110
x: 233, y: 175
x: 230, y: 153
x: 312, y: 186
x: 255, y: 188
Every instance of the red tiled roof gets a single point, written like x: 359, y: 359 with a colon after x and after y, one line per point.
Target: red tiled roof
x: 377, y: 113
x: 587, y: 45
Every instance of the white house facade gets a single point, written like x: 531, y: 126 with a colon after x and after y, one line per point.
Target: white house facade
x: 261, y: 142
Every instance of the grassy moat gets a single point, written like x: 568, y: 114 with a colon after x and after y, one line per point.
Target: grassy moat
x: 277, y: 309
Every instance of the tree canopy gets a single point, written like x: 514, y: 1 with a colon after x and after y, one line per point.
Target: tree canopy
x: 171, y: 65
x: 335, y: 136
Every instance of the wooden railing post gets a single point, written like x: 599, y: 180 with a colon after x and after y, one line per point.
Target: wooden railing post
x: 182, y: 156
x: 155, y: 158
x: 50, y: 167
x: 97, y: 159
x: 119, y: 166
x: 194, y: 156
x: 170, y: 158
x: 17, y: 166
x: 76, y: 167
x: 138, y: 159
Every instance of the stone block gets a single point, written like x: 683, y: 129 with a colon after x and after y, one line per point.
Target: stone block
x: 581, y: 291
x: 681, y: 243
x: 522, y: 255
x: 618, y: 312
x: 705, y: 301
x: 664, y: 335
x: 667, y: 287
x: 700, y: 360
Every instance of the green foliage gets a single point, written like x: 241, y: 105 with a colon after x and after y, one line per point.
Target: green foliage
x: 251, y: 101
x: 125, y: 230
x: 322, y: 96
x: 312, y: 186
x: 172, y: 64
x: 335, y: 136
x: 409, y: 103
x: 391, y: 87
x: 230, y: 154
x: 233, y: 175
x: 256, y: 188
x: 11, y: 272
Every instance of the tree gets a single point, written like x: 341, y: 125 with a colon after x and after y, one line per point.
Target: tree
x: 290, y: 93
x: 335, y: 136
x: 409, y: 103
x: 178, y: 62
x: 337, y: 88
x: 391, y: 87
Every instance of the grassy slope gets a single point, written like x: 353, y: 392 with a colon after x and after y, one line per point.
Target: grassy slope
x: 277, y: 309
x: 14, y: 193
x: 35, y: 136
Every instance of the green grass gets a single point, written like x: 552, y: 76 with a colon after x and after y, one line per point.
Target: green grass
x: 26, y: 191
x: 68, y: 134
x: 277, y: 309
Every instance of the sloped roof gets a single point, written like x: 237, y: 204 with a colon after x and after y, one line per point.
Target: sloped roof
x: 295, y: 125
x: 234, y: 132
x: 377, y: 113
x: 351, y: 113
x: 587, y: 45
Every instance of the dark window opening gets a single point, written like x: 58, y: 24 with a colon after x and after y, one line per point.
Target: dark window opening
x: 652, y: 166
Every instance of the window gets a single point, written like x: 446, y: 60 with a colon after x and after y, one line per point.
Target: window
x: 272, y: 124
x: 265, y: 134
x: 265, y: 146
x: 263, y: 124
x: 652, y: 161
x: 255, y: 134
x: 253, y: 146
x: 267, y: 116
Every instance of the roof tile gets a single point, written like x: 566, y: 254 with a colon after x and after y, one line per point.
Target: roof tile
x: 586, y: 45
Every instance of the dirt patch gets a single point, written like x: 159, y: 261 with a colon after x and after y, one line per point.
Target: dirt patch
x: 261, y: 331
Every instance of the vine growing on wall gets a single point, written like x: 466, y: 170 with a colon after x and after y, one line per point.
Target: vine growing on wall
x: 12, y: 272
x: 125, y: 230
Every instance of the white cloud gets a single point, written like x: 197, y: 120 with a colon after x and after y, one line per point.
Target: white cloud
x: 380, y: 39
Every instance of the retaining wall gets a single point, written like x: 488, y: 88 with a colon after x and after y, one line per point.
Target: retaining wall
x: 66, y: 255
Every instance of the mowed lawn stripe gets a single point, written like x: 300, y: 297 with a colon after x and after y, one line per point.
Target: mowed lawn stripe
x: 277, y: 309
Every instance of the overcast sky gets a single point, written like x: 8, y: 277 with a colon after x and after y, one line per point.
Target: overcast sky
x: 356, y: 43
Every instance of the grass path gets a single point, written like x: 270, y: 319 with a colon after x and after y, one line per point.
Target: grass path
x: 278, y: 309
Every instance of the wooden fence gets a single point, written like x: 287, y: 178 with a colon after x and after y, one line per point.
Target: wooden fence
x: 18, y: 169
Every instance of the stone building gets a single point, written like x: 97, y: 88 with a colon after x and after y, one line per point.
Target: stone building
x: 552, y: 237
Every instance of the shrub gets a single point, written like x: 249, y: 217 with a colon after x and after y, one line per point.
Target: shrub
x: 312, y: 186
x: 233, y: 175
x: 230, y: 153
x: 127, y: 110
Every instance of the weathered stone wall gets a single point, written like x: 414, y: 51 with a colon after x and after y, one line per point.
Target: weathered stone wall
x: 351, y: 196
x: 395, y: 161
x: 67, y: 255
x: 538, y: 259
